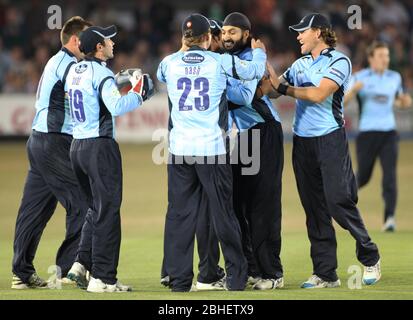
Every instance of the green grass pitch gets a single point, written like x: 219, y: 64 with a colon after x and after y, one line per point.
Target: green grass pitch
x: 143, y: 210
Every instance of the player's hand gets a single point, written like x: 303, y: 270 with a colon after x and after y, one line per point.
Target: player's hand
x: 405, y: 101
x: 258, y: 44
x: 122, y: 78
x: 357, y: 86
x: 142, y: 84
x: 264, y: 87
x: 273, y: 76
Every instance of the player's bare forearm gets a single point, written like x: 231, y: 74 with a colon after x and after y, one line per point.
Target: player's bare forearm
x: 353, y: 92
x: 313, y: 94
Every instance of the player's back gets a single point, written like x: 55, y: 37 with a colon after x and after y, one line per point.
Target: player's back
x: 52, y: 111
x: 84, y: 84
x: 196, y: 87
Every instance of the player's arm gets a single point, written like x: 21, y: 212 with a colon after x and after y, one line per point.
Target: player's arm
x: 246, y: 70
x: 330, y: 83
x: 403, y: 100
x: 241, y: 92
x: 142, y: 89
x: 352, y: 92
x: 160, y: 73
x: 265, y: 87
x: 355, y: 86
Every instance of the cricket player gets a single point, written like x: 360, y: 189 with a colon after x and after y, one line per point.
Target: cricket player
x: 257, y: 196
x: 321, y: 160
x: 211, y: 275
x: 377, y: 90
x: 50, y: 178
x: 95, y: 101
x: 198, y: 146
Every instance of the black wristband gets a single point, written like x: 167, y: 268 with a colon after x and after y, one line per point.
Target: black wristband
x: 282, y: 88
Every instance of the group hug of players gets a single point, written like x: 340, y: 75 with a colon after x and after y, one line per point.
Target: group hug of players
x: 219, y: 78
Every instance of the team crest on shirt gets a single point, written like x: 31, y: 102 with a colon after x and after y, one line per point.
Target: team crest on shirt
x: 81, y: 68
x: 193, y: 57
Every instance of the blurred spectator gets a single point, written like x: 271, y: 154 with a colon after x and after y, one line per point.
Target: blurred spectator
x: 150, y: 30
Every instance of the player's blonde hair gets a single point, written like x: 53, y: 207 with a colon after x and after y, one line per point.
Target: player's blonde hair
x: 329, y: 36
x: 190, y: 40
x: 73, y: 27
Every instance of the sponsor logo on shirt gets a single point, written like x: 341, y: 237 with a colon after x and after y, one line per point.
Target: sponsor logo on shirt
x: 381, y: 98
x: 193, y: 58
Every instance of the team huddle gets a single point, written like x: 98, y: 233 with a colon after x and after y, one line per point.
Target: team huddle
x: 219, y: 79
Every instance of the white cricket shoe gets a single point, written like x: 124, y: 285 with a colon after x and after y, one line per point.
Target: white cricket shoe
x: 252, y: 280
x: 34, y: 282
x: 269, y: 284
x: 214, y: 286
x: 315, y: 282
x: 78, y: 274
x: 372, y: 274
x: 389, y: 225
x: 165, y: 281
x: 98, y: 286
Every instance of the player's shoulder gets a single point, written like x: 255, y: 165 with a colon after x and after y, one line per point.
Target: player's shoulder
x: 246, y: 54
x: 363, y: 73
x: 172, y: 57
x: 393, y: 74
x: 302, y: 61
x: 340, y: 60
x: 337, y: 55
x: 60, y: 60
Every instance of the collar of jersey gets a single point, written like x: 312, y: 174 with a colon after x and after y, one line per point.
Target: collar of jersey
x: 193, y: 48
x: 103, y: 63
x: 326, y: 51
x: 64, y: 49
x: 375, y: 73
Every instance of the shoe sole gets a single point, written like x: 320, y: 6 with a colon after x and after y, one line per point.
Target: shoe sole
x: 25, y: 286
x: 367, y: 283
x: 338, y: 285
x: 209, y: 289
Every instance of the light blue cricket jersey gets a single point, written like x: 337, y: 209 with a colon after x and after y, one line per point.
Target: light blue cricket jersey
x: 196, y: 83
x: 376, y: 99
x: 52, y: 110
x: 95, y: 100
x: 318, y: 119
x: 245, y: 111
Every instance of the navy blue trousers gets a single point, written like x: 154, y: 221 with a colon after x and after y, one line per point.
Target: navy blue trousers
x: 50, y: 180
x: 97, y: 165
x: 186, y: 184
x: 328, y: 190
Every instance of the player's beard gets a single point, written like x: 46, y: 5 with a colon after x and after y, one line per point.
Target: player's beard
x: 237, y: 46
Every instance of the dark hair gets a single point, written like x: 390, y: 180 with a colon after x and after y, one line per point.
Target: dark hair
x: 73, y: 27
x: 190, y: 40
x: 329, y: 36
x: 92, y: 53
x: 376, y: 45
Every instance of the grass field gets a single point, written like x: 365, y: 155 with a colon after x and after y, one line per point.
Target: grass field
x: 143, y: 210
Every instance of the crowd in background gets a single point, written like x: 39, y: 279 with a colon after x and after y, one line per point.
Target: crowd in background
x: 150, y: 30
